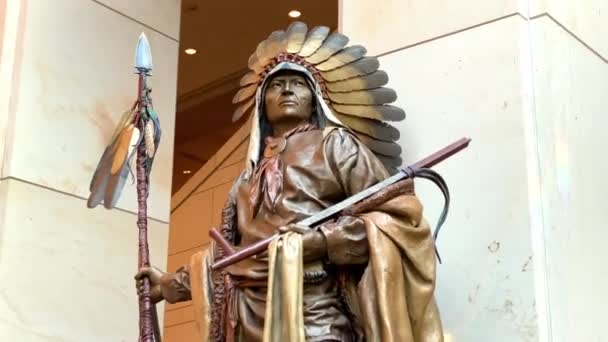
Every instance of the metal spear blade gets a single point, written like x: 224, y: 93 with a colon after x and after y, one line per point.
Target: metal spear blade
x: 143, y: 56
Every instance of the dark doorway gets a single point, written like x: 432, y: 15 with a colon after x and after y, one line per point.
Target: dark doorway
x: 224, y: 34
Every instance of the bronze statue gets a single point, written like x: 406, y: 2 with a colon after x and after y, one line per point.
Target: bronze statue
x: 318, y: 136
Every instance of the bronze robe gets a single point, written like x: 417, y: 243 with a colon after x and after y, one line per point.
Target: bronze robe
x: 378, y: 278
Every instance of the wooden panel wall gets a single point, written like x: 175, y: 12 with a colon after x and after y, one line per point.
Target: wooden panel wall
x: 197, y: 207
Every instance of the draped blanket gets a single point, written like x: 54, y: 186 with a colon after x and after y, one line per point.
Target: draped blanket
x: 392, y: 301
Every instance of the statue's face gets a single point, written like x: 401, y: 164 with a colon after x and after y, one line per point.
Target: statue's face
x: 288, y: 98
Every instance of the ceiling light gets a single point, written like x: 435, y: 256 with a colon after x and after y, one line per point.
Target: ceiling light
x: 186, y: 172
x: 294, y: 13
x: 190, y: 51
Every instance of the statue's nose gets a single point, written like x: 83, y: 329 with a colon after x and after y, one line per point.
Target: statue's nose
x: 287, y: 88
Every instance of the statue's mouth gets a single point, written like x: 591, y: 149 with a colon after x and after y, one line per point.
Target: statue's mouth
x: 288, y: 103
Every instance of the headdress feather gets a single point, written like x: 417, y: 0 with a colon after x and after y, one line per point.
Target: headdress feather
x: 351, y: 84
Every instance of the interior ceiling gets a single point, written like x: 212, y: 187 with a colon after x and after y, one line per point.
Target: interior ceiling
x: 224, y: 33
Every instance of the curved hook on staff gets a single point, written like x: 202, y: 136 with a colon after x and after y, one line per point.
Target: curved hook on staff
x: 436, y: 179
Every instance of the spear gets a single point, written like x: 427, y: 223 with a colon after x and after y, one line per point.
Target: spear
x: 138, y: 133
x: 149, y: 330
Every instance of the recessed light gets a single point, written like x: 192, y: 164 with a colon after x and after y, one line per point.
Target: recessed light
x: 186, y: 172
x: 190, y: 51
x: 294, y: 13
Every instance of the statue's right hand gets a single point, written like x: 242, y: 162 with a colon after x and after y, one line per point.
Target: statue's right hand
x: 154, y: 275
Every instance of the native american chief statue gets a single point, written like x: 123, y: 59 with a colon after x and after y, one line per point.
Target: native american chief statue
x: 318, y: 136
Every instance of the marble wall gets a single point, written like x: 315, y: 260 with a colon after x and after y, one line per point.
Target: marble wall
x: 66, y: 75
x: 526, y: 80
x: 569, y: 77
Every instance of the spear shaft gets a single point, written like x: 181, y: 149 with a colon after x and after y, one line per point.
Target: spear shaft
x: 149, y: 330
x: 145, y: 303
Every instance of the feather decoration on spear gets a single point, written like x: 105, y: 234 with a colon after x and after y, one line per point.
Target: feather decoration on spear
x: 138, y: 133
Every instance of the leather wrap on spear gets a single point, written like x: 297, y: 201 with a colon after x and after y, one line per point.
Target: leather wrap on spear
x: 138, y: 133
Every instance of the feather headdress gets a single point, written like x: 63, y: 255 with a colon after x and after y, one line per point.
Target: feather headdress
x: 347, y: 82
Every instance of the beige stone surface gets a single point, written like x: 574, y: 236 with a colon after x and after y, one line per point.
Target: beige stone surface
x: 570, y: 85
x: 67, y: 271
x: 76, y: 78
x: 11, y: 44
x: 460, y: 87
x: 388, y: 25
x: 162, y: 15
x: 585, y: 19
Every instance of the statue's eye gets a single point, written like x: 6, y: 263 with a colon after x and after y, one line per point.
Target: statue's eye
x: 275, y: 84
x: 300, y: 83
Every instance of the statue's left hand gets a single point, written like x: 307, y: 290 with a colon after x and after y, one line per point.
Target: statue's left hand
x: 154, y: 275
x: 314, y: 244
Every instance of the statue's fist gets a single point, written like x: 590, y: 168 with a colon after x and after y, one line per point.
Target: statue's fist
x: 313, y: 241
x: 154, y: 275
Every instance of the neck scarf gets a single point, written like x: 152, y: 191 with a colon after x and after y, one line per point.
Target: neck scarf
x: 267, y: 181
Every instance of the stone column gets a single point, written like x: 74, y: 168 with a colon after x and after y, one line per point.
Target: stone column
x: 523, y: 247
x: 569, y: 80
x: 66, y: 76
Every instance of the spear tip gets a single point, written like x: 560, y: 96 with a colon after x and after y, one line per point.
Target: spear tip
x: 143, y: 56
